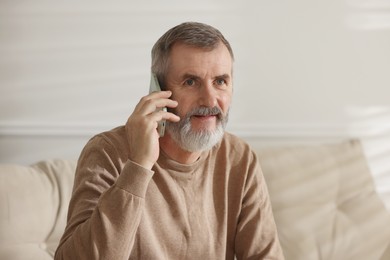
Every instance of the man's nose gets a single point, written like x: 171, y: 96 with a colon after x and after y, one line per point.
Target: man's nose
x: 208, y: 96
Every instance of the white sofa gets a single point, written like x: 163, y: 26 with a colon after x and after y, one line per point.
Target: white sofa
x: 325, y: 203
x: 33, y: 207
x: 323, y: 196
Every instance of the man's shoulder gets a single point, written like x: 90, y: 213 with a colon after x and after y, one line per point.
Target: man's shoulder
x: 234, y: 153
x: 115, y: 133
x: 234, y: 145
x: 115, y: 137
x: 233, y: 140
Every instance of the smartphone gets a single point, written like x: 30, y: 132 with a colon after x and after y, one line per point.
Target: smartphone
x: 155, y: 86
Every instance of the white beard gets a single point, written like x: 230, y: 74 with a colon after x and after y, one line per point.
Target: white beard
x: 196, y: 141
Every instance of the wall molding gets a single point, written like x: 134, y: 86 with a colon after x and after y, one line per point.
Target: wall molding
x: 304, y: 130
x: 310, y: 130
x: 51, y: 129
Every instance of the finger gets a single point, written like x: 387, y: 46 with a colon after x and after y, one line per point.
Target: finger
x: 151, y: 106
x: 160, y: 94
x: 159, y: 103
x: 150, y: 103
x: 163, y: 115
x: 154, y: 95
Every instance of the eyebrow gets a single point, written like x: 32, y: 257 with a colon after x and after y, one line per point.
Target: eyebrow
x: 192, y: 76
x: 223, y: 76
x: 188, y: 75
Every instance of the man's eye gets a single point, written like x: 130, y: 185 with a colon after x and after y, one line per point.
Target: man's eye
x: 190, y: 82
x: 220, y: 81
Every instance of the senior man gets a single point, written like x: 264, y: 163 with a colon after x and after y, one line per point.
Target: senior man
x: 195, y: 193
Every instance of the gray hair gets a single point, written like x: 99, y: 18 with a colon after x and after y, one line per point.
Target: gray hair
x: 190, y: 33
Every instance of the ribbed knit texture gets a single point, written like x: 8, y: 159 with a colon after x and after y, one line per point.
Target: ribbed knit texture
x: 215, y: 208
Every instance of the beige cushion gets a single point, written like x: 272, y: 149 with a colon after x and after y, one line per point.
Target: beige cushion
x: 324, y: 202
x: 33, y: 207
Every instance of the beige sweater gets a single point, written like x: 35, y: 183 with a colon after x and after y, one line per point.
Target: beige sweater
x: 215, y: 208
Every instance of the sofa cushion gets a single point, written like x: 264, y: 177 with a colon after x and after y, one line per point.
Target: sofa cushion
x: 324, y: 202
x: 33, y: 206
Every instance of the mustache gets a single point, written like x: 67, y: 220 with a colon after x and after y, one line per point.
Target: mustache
x: 205, y: 111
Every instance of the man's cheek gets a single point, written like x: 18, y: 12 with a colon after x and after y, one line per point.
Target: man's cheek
x: 177, y: 111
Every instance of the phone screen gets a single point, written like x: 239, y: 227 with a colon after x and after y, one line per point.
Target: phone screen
x: 153, y: 87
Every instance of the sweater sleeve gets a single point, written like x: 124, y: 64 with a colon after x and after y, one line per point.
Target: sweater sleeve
x: 106, y: 204
x: 256, y: 236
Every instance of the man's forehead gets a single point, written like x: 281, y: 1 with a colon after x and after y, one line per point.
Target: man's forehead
x: 187, y: 48
x: 187, y: 55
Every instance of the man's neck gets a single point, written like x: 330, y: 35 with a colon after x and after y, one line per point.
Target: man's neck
x: 170, y: 148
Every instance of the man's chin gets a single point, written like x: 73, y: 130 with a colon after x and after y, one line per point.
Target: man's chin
x: 196, y: 140
x: 204, y: 129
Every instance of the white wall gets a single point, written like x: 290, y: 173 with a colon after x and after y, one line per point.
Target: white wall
x: 305, y: 70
